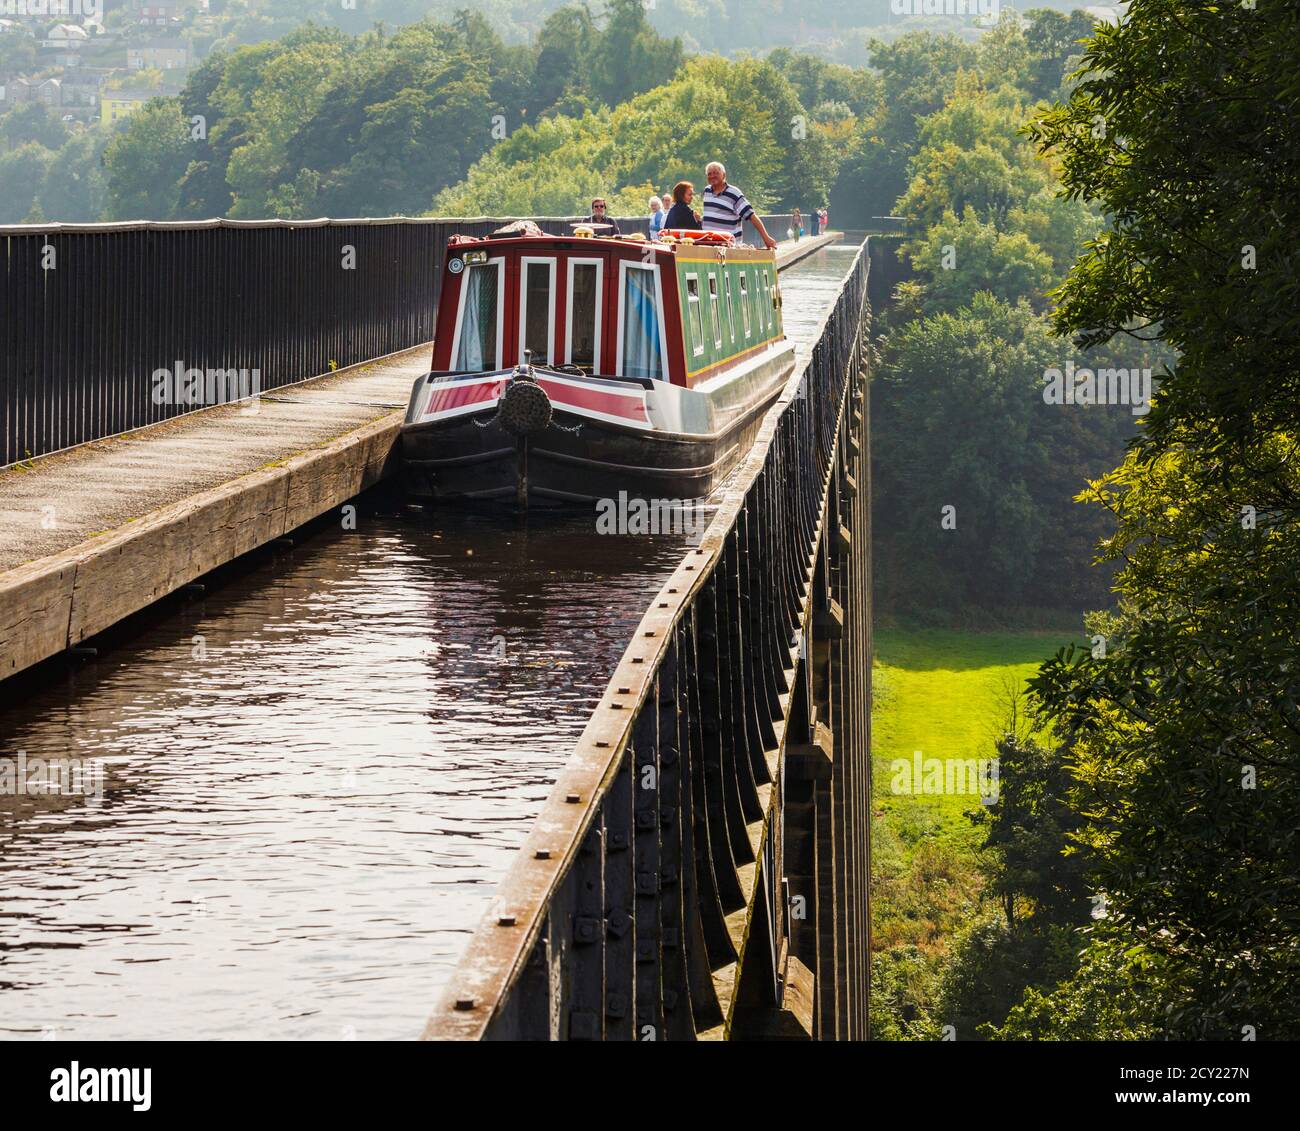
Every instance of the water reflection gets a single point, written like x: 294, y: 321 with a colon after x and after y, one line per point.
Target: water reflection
x: 310, y: 778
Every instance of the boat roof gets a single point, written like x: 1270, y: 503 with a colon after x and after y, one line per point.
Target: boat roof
x: 633, y: 245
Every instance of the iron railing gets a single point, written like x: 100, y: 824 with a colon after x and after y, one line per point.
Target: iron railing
x: 701, y: 866
x: 89, y: 313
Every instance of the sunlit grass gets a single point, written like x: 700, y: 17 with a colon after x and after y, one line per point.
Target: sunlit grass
x: 945, y: 694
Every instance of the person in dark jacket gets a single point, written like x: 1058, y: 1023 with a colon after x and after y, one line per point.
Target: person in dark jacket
x: 598, y: 217
x: 680, y: 214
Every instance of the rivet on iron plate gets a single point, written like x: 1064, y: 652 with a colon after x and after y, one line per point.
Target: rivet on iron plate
x: 600, y: 743
x: 464, y: 1004
x: 650, y: 632
x: 542, y: 854
x: 625, y: 691
x: 506, y: 921
x: 571, y: 799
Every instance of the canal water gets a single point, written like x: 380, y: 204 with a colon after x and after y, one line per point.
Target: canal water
x: 301, y: 785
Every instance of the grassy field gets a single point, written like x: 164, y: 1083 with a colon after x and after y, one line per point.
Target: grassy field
x: 945, y: 694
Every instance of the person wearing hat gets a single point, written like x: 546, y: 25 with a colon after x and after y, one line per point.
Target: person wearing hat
x: 598, y: 217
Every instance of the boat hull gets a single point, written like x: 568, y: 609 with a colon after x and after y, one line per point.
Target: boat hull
x: 649, y: 439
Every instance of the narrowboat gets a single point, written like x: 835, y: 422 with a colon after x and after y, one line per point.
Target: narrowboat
x: 569, y: 368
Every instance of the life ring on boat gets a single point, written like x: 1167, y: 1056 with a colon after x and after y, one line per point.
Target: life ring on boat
x: 689, y: 235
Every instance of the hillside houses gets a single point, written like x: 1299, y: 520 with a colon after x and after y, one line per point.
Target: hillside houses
x: 91, y: 74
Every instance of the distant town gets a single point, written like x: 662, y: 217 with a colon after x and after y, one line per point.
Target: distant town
x: 95, y: 60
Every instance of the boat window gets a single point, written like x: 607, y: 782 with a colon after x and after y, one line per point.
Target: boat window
x: 715, y: 310
x: 477, y: 350
x: 767, y: 299
x: 584, y: 314
x: 731, y: 310
x: 538, y: 314
x: 642, y: 353
x: 693, y: 314
x: 744, y: 301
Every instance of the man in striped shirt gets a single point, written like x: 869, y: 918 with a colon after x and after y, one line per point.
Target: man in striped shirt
x: 726, y: 209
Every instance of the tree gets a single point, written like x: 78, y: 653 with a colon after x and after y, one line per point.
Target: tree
x: 145, y: 161
x: 203, y: 191
x: 740, y: 111
x: 74, y: 188
x: 563, y: 48
x: 952, y: 427
x: 629, y: 55
x: 32, y: 122
x: 1053, y: 38
x: 21, y: 172
x: 1119, y: 993
x: 917, y: 73
x: 1187, y: 729
x: 1033, y: 862
x: 1181, y: 130
x: 953, y: 178
x: 959, y: 258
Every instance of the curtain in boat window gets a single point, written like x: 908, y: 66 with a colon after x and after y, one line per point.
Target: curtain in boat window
x: 641, y: 351
x: 478, y: 326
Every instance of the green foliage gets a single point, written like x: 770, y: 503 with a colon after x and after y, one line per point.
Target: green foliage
x: 959, y: 258
x: 958, y: 420
x: 952, y: 177
x: 1182, y: 129
x: 917, y: 73
x: 629, y: 57
x: 21, y: 172
x: 1053, y: 39
x: 31, y: 122
x: 1032, y: 861
x: 75, y: 189
x: 993, y: 966
x: 816, y: 81
x: 903, y: 983
x: 1118, y: 993
x: 739, y: 113
x: 1187, y: 733
x: 319, y: 122
x: 145, y: 161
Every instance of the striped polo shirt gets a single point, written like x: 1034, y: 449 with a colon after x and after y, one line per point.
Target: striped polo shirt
x: 726, y: 211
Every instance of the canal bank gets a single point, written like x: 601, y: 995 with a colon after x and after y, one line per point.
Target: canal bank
x: 99, y: 532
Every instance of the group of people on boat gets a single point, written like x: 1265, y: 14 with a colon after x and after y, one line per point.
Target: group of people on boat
x: 724, y: 210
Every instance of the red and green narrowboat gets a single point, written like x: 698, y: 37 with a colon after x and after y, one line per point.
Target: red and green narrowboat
x: 569, y: 368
